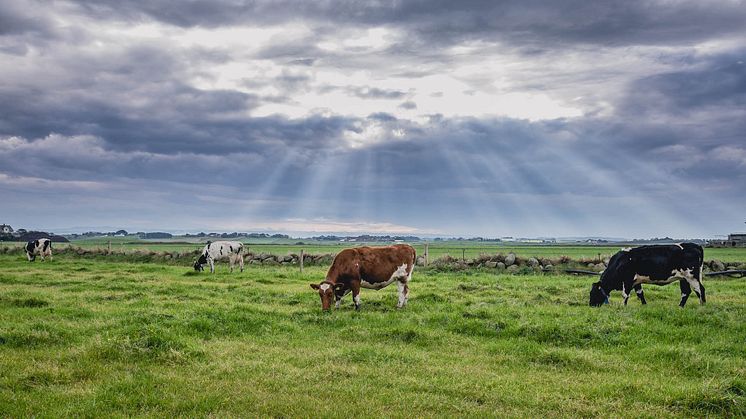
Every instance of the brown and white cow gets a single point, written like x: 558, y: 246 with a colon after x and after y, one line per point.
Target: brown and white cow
x: 367, y: 267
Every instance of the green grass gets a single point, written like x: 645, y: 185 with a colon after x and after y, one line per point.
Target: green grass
x: 82, y: 337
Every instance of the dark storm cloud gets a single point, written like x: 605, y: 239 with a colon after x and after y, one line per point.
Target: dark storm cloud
x: 18, y: 18
x: 134, y: 100
x: 128, y: 111
x: 720, y: 82
x: 598, y: 22
x: 538, y: 154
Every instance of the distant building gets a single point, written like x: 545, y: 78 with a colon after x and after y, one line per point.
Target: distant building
x: 737, y: 239
x: 6, y: 229
x: 734, y: 240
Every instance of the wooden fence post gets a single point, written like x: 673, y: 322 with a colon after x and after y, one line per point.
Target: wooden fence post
x: 109, y: 246
x: 427, y: 253
x: 301, y: 261
x: 463, y: 255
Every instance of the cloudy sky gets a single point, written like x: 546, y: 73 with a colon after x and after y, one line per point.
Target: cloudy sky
x: 490, y: 118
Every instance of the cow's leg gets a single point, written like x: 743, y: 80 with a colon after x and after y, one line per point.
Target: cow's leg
x: 640, y: 295
x: 685, y: 291
x: 355, y: 286
x: 695, y: 284
x: 231, y: 262
x: 30, y: 257
x: 212, y: 265
x: 338, y: 298
x: 698, y: 277
x: 702, y: 299
x: 625, y: 293
x: 402, y: 283
x: 240, y: 261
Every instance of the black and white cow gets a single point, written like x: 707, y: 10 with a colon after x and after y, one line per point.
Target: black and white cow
x: 41, y: 247
x: 659, y: 265
x: 220, y: 250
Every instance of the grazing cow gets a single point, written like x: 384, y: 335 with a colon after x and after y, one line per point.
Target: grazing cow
x: 367, y: 267
x: 233, y: 251
x: 659, y: 265
x: 41, y: 247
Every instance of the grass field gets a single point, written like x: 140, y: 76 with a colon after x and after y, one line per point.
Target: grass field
x: 95, y: 338
x: 436, y: 249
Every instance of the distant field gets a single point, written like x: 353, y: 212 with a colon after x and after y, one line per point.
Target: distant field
x: 436, y: 249
x: 81, y: 337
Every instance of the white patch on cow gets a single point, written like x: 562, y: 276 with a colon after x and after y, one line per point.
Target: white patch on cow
x: 687, y: 275
x: 675, y: 275
x: 694, y: 284
x: 399, y: 273
x: 680, y: 246
x: 641, y: 279
x: 639, y: 292
x: 682, y: 273
x: 356, y: 299
x: 324, y: 287
x: 626, y: 249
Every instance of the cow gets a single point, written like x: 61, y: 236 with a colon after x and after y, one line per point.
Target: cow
x: 367, y: 267
x: 41, y: 247
x: 220, y: 250
x: 657, y: 264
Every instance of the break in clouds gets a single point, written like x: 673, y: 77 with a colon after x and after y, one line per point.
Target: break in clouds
x: 465, y: 118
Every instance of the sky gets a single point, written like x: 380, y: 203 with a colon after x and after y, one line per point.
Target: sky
x: 470, y: 118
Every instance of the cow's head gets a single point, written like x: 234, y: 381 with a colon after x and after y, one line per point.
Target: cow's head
x: 326, y: 292
x: 599, y: 296
x: 199, y: 262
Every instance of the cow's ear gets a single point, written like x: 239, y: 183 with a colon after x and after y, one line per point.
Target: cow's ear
x: 315, y: 286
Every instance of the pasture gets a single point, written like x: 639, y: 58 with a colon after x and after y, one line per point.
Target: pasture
x: 454, y: 248
x: 82, y: 337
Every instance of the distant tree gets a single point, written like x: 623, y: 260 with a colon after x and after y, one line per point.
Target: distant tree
x: 156, y: 235
x: 36, y: 235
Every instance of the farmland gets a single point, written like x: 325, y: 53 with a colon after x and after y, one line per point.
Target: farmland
x: 458, y: 249
x: 83, y: 337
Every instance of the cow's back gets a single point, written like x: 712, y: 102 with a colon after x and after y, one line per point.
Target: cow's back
x: 661, y: 260
x: 379, y: 263
x: 223, y: 248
